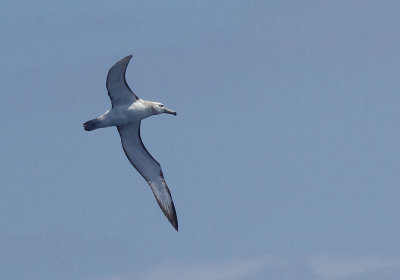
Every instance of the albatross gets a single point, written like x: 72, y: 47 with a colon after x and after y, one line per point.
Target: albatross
x: 126, y: 114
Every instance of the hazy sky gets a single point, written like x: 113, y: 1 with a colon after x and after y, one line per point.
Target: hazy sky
x: 283, y: 161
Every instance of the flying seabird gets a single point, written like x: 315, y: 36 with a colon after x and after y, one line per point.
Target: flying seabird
x: 126, y: 114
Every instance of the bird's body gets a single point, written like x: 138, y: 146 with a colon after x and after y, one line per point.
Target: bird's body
x: 126, y: 114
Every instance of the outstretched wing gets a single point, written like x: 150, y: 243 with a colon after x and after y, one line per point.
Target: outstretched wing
x: 149, y: 168
x: 118, y: 90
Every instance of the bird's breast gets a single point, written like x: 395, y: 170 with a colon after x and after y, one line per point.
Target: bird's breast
x: 139, y: 110
x: 122, y: 116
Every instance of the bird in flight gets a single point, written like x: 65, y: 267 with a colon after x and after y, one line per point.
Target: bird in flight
x: 126, y: 114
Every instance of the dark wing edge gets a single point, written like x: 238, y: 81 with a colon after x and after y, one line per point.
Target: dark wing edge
x: 115, y: 68
x: 164, y: 199
x: 159, y: 186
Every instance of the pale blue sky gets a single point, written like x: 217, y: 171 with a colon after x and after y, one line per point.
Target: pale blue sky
x: 283, y: 161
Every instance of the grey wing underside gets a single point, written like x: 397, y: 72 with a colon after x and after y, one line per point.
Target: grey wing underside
x: 149, y: 168
x: 118, y: 90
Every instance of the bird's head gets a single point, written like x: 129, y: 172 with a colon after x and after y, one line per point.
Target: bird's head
x: 159, y: 108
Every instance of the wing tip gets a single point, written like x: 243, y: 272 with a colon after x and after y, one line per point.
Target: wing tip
x: 174, y: 222
x: 171, y: 216
x: 169, y: 212
x: 126, y: 58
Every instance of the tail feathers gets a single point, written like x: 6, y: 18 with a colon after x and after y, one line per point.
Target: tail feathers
x: 91, y: 125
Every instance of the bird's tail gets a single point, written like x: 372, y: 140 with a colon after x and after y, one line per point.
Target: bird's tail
x: 91, y: 125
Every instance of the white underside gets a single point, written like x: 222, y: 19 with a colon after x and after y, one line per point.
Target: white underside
x: 125, y: 115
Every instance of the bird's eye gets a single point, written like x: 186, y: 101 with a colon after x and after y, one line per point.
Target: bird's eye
x: 161, y: 105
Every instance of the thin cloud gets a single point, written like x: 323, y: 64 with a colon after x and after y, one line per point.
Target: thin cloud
x: 333, y: 268
x: 315, y: 268
x: 230, y: 270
